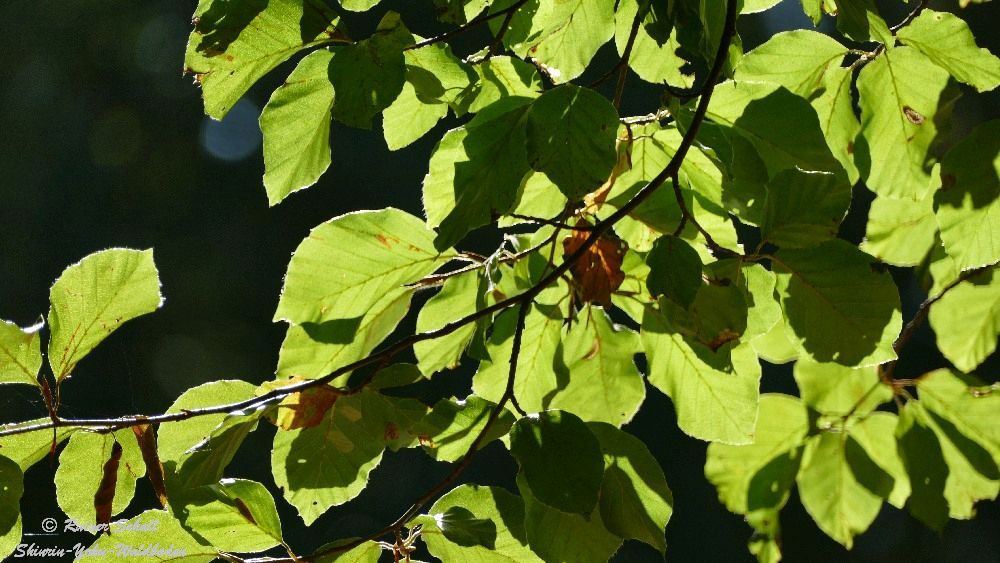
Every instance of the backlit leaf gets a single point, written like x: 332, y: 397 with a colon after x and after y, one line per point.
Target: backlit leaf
x: 859, y: 304
x: 234, y: 44
x: 900, y: 93
x: 541, y: 444
x: 94, y: 297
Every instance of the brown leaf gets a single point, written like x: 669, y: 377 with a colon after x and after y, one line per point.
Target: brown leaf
x: 105, y: 495
x: 598, y: 273
x: 304, y: 409
x: 146, y: 437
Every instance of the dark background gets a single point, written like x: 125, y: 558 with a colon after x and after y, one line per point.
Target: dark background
x: 103, y: 143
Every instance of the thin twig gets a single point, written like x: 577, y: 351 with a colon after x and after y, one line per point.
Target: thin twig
x: 910, y: 17
x: 485, y: 17
x: 906, y: 334
x: 686, y: 216
x: 497, y: 46
x: 551, y: 222
x: 621, y: 67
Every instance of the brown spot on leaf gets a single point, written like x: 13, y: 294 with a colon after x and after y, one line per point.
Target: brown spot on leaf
x: 912, y: 115
x: 391, y: 431
x: 387, y: 240
x: 850, y: 147
x: 425, y: 441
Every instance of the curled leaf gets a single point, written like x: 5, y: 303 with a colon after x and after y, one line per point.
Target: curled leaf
x: 105, y: 495
x: 146, y: 437
x: 598, y: 273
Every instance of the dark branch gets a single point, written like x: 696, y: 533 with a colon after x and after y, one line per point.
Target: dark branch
x: 475, y: 22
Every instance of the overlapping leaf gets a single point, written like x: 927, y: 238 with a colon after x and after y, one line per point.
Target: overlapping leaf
x: 234, y: 44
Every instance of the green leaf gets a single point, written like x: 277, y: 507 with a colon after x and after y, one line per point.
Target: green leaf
x: 840, y: 486
x: 900, y: 92
x: 783, y: 127
x: 835, y: 109
x: 832, y: 389
x: 900, y: 231
x: 296, y: 127
x: 447, y: 431
x: 966, y: 321
x: 81, y: 467
x: 756, y: 6
x: 352, y: 262
x: 541, y: 444
x: 674, y: 270
x: 571, y: 138
x: 497, y: 78
x: 973, y: 409
x: 205, y: 462
x: 968, y: 204
x: 174, y: 439
x: 539, y: 198
x: 29, y: 448
x: 765, y: 543
x: 947, y: 41
x: 859, y: 20
x: 775, y: 345
x: 859, y: 304
x: 461, y: 527
x: 313, y: 350
x: 409, y: 117
x: 971, y: 469
x: 876, y: 434
x: 654, y: 52
x: 580, y: 538
x: 460, y: 296
x: 157, y: 529
x: 597, y: 379
x: 506, y: 539
x: 368, y: 75
x: 635, y: 500
x: 763, y: 310
x: 235, y: 515
x: 925, y: 464
x: 476, y: 170
x: 20, y: 353
x: 804, y: 208
x: 234, y: 44
x: 93, y: 297
x: 539, y: 346
x: 329, y: 464
x: 358, y: 5
x: 562, y: 36
x: 797, y: 60
x: 11, y: 489
x: 435, y: 78
x: 760, y: 475
x: 367, y: 552
x: 715, y: 393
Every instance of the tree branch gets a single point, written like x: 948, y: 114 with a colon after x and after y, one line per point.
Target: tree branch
x: 910, y: 17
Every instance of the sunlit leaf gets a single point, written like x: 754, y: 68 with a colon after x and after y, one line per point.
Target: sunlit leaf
x: 94, y: 297
x: 234, y: 44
